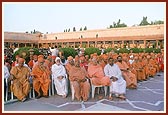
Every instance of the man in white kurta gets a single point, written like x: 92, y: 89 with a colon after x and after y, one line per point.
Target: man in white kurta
x: 118, y: 84
x: 6, y: 76
x: 6, y: 72
x: 59, y: 77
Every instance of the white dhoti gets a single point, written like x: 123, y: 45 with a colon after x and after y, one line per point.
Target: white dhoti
x: 118, y: 87
x: 61, y: 86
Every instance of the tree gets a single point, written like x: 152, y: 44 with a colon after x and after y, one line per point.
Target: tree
x: 111, y: 26
x: 68, y: 52
x: 92, y: 50
x: 74, y: 29
x: 24, y: 53
x: 114, y: 25
x: 157, y: 22
x: 96, y: 35
x: 34, y: 31
x: 85, y: 28
x: 152, y: 23
x: 122, y: 25
x: 144, y: 22
x: 118, y: 24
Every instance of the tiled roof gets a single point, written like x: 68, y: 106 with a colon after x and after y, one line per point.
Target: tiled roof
x: 150, y: 30
x: 114, y: 32
x: 19, y: 36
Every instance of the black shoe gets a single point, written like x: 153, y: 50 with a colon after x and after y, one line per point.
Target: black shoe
x: 39, y: 96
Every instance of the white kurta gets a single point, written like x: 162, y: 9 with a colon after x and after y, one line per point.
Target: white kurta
x: 60, y: 85
x: 6, y: 72
x: 119, y: 86
x: 131, y: 61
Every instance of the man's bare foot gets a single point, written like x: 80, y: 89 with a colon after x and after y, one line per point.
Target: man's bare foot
x: 110, y: 98
x: 122, y: 97
x: 100, y: 97
x: 64, y: 96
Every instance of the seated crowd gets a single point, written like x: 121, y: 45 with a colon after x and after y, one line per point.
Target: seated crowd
x: 118, y: 71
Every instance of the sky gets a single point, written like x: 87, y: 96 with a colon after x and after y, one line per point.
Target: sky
x: 56, y: 17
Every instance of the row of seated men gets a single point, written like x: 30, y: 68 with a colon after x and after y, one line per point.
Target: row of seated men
x: 116, y: 71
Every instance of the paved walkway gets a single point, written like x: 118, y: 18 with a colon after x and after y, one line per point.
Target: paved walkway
x: 149, y: 96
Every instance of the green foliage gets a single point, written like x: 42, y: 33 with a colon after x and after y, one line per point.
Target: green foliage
x: 157, y: 50
x: 118, y: 24
x: 141, y: 50
x: 123, y: 50
x: 135, y: 50
x: 68, y: 52
x: 92, y: 50
x: 74, y: 29
x: 110, y: 49
x: 25, y: 50
x: 111, y: 26
x: 157, y: 22
x: 85, y: 28
x: 144, y: 22
x: 149, y: 50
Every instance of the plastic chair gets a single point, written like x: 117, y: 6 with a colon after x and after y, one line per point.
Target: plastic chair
x: 98, y: 86
x: 73, y: 90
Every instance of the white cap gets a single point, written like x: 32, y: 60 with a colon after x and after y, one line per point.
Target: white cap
x: 57, y: 58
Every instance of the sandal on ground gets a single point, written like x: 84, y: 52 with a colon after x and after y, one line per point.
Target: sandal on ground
x: 122, y: 97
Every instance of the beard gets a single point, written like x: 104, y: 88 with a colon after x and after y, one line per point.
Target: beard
x: 119, y: 60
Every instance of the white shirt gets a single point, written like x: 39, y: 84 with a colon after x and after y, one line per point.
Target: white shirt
x: 6, y: 72
x: 58, y: 70
x: 113, y: 71
x: 55, y: 52
x: 131, y: 61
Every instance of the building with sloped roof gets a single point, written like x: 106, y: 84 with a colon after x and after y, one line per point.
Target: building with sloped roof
x: 138, y: 36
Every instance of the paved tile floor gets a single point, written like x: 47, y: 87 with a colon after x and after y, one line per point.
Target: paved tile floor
x: 149, y: 96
